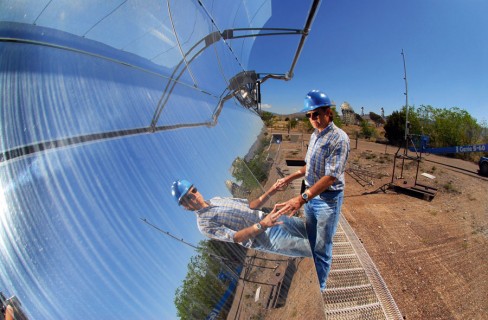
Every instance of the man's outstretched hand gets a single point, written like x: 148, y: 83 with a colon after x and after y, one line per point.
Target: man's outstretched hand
x: 278, y: 186
x: 289, y: 207
x: 271, y: 219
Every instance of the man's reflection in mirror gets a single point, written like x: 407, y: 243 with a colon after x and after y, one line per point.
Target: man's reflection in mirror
x: 240, y: 221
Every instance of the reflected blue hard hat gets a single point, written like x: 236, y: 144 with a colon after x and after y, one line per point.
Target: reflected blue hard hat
x: 180, y: 188
x: 315, y: 99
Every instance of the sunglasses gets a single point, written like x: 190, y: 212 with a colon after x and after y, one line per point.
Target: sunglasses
x: 312, y: 115
x: 186, y: 197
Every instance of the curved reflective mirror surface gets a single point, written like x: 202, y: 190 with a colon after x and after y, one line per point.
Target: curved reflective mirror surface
x: 104, y: 106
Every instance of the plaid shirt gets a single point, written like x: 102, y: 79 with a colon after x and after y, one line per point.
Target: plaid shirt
x: 224, y: 217
x: 327, y: 155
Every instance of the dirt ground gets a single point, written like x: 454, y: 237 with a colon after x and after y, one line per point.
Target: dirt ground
x: 431, y: 254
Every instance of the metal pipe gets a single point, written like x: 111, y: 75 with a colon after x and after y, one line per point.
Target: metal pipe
x: 311, y: 16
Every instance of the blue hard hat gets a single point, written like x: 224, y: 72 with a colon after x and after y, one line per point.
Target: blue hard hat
x: 180, y: 188
x: 315, y: 99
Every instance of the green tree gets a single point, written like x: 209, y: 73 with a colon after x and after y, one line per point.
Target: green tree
x: 251, y: 173
x: 358, y: 118
x: 255, y: 171
x: 202, y: 289
x: 484, y: 131
x: 367, y: 130
x: 293, y: 123
x: 395, y: 126
x: 450, y: 127
x: 376, y: 118
x: 337, y: 119
x: 268, y: 118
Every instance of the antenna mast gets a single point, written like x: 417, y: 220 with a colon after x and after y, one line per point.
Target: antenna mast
x: 406, y: 94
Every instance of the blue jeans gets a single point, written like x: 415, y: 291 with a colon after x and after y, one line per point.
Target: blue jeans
x: 289, y: 239
x: 322, y: 216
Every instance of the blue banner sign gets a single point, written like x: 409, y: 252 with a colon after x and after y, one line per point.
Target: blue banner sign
x: 457, y: 149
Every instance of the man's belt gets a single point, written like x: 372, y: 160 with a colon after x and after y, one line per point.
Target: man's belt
x: 305, y: 187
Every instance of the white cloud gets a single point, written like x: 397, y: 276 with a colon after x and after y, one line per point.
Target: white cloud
x: 266, y: 106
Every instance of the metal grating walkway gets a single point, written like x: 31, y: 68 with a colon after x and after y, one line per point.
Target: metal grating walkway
x: 355, y: 289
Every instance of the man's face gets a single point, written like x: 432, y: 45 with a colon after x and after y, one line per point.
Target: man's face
x: 193, y: 200
x: 319, y: 118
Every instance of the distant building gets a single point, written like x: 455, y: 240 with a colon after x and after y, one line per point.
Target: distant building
x: 348, y: 114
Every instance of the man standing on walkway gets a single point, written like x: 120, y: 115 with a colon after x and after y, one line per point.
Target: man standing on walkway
x: 326, y: 158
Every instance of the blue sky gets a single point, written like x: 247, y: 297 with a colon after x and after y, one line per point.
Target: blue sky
x: 354, y: 49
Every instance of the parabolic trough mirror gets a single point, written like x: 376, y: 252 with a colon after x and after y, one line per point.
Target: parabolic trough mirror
x: 104, y: 105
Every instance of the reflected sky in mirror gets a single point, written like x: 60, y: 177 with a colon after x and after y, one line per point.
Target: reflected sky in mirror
x: 71, y: 228
x: 104, y: 105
